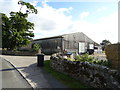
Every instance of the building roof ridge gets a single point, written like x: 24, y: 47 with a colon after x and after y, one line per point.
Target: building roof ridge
x: 58, y: 36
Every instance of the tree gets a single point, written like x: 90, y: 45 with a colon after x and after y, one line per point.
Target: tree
x: 17, y: 29
x: 105, y: 43
x: 6, y: 32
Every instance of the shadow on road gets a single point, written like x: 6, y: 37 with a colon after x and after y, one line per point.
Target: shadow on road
x: 11, y: 78
x: 9, y: 69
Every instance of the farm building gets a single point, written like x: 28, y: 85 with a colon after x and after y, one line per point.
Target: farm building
x: 74, y: 42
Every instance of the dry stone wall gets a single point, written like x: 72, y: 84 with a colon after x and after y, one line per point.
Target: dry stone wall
x: 19, y: 53
x: 88, y: 73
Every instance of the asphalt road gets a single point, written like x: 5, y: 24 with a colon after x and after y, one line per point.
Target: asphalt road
x: 11, y: 78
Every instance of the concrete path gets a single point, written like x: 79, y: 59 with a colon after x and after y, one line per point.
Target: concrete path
x: 36, y: 76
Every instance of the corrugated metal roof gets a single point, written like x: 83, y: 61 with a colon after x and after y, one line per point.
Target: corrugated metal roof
x: 62, y: 36
x: 59, y: 36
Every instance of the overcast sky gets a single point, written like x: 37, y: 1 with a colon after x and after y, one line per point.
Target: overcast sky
x: 98, y: 20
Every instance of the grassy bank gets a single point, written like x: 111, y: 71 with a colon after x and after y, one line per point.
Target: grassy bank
x: 66, y: 80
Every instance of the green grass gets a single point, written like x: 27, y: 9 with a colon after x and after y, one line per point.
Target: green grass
x: 66, y: 80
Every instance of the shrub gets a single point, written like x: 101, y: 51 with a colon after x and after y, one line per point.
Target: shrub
x: 91, y: 59
x: 36, y: 47
x: 84, y: 58
x: 71, y: 59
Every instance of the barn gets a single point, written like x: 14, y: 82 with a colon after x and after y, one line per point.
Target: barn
x: 73, y: 42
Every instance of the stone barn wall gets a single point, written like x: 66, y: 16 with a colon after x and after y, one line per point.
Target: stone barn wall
x: 113, y: 55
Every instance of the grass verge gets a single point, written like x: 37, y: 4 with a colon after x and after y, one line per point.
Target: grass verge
x: 66, y: 80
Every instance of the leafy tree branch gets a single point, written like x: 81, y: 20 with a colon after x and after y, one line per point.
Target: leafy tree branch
x: 16, y: 29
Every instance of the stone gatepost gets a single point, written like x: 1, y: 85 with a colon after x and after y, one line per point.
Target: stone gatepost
x: 113, y: 55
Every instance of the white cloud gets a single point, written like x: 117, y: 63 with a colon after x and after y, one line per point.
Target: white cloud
x: 34, y: 3
x: 84, y: 14
x: 103, y: 8
x: 51, y: 22
x: 6, y: 6
x: 106, y: 28
x: 62, y: 10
